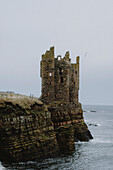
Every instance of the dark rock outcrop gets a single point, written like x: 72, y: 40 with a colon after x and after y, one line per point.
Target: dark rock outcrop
x: 26, y: 131
x: 71, y: 115
x: 30, y: 130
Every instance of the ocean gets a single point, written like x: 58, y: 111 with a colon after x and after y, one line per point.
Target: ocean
x: 97, y: 154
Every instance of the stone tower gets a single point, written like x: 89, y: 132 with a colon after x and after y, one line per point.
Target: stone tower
x: 47, y: 75
x: 60, y: 78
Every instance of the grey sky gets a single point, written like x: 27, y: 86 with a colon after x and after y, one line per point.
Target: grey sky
x: 29, y: 27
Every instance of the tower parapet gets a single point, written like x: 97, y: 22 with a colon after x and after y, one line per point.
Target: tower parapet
x: 60, y: 78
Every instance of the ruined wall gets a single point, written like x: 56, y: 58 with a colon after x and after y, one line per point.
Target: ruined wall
x: 74, y: 82
x: 60, y: 78
x: 47, y: 75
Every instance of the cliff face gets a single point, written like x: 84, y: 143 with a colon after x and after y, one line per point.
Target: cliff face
x: 26, y: 130
x: 69, y: 116
x: 30, y: 130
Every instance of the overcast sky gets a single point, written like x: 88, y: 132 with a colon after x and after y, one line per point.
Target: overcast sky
x: 84, y: 27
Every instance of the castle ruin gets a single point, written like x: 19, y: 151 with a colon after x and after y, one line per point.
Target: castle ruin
x: 60, y: 78
x: 31, y: 129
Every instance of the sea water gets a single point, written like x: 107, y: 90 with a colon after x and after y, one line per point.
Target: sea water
x: 97, y: 154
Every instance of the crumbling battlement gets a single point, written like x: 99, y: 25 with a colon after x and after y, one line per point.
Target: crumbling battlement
x: 60, y: 78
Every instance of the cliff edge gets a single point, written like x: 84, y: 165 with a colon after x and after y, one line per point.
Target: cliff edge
x: 26, y: 130
x: 30, y: 130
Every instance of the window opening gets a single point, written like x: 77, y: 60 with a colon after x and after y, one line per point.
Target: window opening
x: 50, y: 74
x: 60, y: 71
x: 58, y: 58
x: 61, y: 79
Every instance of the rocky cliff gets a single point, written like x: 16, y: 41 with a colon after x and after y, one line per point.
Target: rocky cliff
x: 30, y: 130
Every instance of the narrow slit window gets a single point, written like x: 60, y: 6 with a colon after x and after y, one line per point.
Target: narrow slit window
x: 61, y: 79
x: 50, y: 74
x: 60, y: 72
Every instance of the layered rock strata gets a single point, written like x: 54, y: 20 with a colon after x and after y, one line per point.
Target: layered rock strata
x: 69, y: 124
x: 30, y: 130
x: 26, y: 130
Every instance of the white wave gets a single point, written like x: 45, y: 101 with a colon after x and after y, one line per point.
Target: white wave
x: 79, y: 142
x: 96, y: 140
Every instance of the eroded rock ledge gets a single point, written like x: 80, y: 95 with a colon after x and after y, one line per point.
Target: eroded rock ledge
x: 30, y: 130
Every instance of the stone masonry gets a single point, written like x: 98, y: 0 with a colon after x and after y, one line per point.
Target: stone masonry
x: 60, y: 87
x: 60, y: 78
